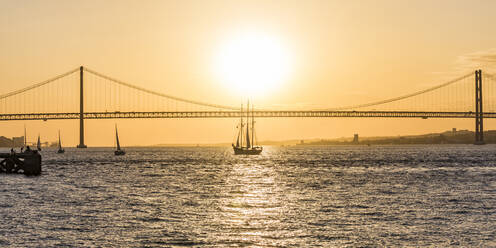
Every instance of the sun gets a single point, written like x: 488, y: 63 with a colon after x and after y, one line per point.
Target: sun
x: 253, y: 64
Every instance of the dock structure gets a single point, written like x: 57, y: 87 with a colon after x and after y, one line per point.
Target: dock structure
x: 28, y: 163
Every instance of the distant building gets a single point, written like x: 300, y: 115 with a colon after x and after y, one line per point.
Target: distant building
x: 454, y: 130
x: 5, y: 142
x: 18, y: 141
x: 302, y: 142
x: 14, y: 142
x: 355, y: 139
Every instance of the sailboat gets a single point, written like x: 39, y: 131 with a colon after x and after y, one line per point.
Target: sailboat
x: 245, y: 145
x: 60, y: 150
x: 118, y: 150
x: 38, y: 144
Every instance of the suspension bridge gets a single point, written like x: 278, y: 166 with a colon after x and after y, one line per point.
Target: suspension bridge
x: 83, y: 93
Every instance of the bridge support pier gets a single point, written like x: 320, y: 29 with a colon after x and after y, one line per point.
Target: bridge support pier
x: 81, y: 110
x: 479, y: 118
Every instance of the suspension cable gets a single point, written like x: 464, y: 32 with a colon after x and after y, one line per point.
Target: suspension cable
x: 401, y: 97
x: 38, y: 84
x: 157, y: 93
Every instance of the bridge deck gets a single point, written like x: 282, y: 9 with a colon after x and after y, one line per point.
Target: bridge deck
x: 237, y: 114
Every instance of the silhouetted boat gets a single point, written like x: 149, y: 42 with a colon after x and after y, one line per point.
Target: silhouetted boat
x: 118, y: 150
x: 245, y: 145
x: 60, y: 150
x: 38, y: 144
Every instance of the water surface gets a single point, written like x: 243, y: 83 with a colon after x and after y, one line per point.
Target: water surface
x: 288, y: 196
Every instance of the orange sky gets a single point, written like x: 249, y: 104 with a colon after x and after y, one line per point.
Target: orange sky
x: 343, y: 52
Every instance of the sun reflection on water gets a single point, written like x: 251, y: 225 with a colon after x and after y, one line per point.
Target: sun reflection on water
x: 252, y: 201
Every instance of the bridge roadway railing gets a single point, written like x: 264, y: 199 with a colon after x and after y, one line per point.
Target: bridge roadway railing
x: 237, y: 114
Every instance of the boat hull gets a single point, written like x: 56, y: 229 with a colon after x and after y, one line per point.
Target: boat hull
x: 119, y: 153
x: 247, y: 151
x: 61, y: 151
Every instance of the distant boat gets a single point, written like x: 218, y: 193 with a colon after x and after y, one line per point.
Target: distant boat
x: 60, y: 150
x: 38, y: 144
x: 118, y: 151
x: 245, y: 144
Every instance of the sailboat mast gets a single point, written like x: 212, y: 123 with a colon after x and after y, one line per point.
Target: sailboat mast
x: 241, y: 126
x: 60, y: 144
x: 248, y: 145
x: 252, y: 126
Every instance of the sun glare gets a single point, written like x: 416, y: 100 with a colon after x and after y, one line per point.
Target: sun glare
x: 253, y: 64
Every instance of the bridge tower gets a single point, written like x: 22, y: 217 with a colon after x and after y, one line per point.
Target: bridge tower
x: 81, y: 110
x: 479, y: 123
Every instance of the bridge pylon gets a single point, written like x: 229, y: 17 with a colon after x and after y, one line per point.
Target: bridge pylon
x: 479, y: 113
x: 81, y: 110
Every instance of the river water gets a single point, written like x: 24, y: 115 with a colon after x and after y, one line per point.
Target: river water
x: 334, y: 196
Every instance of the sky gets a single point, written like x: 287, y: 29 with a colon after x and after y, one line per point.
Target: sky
x: 337, y: 53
